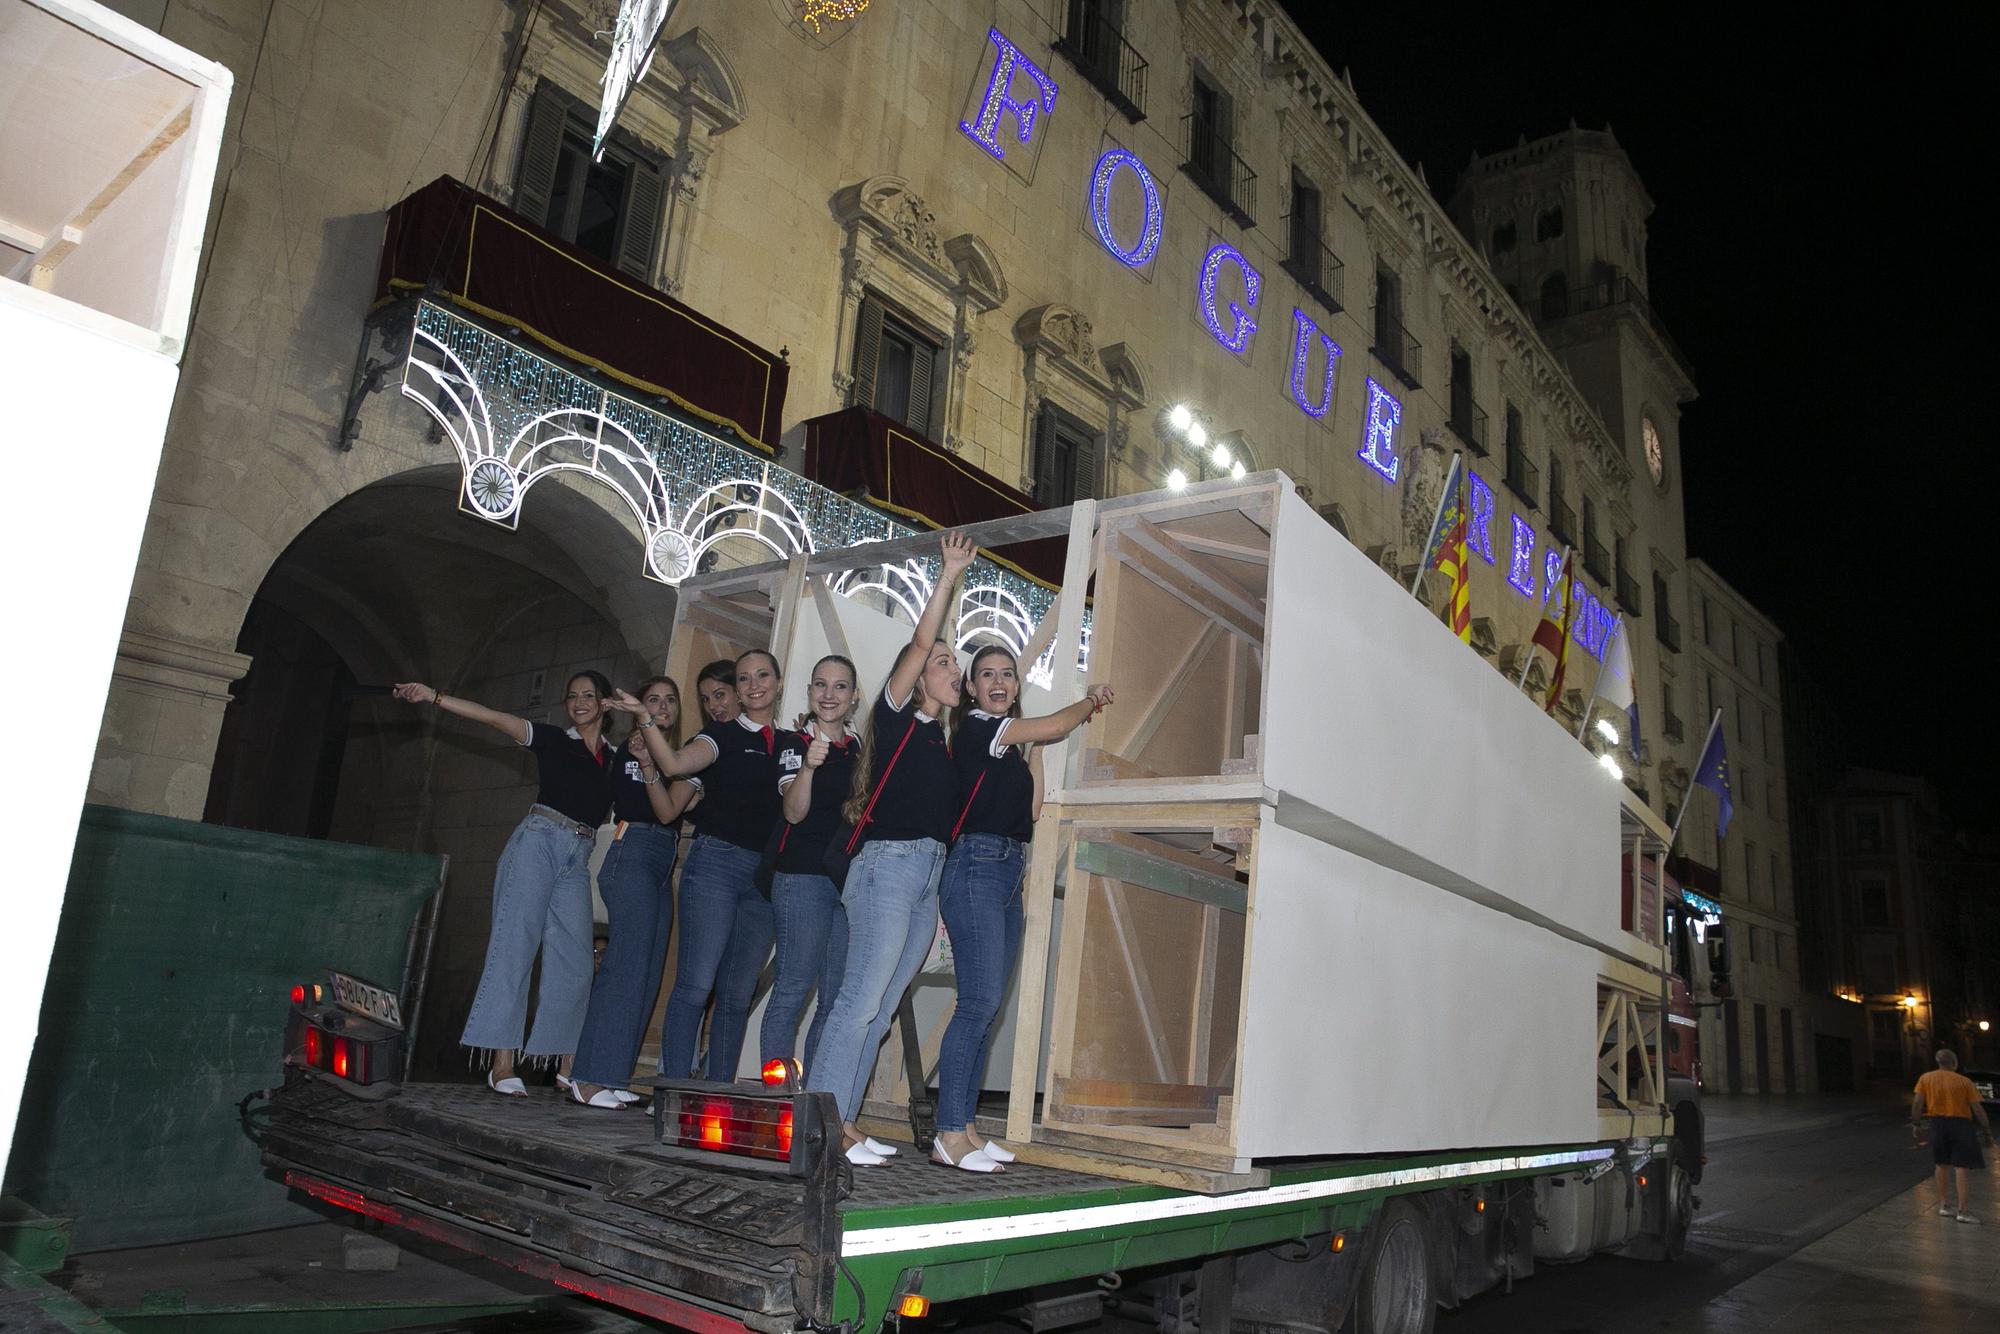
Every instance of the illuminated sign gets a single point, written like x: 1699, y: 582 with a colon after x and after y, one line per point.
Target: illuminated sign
x: 639, y: 23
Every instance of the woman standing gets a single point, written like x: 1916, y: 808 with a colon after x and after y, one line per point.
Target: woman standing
x: 815, y: 771
x: 902, y: 802
x: 541, y: 891
x: 725, y: 923
x: 981, y: 890
x: 636, y: 880
x: 715, y: 687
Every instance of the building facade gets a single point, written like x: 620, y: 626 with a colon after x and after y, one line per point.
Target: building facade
x: 1761, y: 1039
x: 1022, y: 239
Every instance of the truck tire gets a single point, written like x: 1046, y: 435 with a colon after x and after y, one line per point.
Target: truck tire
x: 1397, y: 1293
x: 1679, y: 1206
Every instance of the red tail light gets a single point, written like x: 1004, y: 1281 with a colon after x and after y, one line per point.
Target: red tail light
x: 298, y: 994
x: 340, y: 1057
x: 775, y: 1071
x: 315, y: 1046
x: 750, y: 1127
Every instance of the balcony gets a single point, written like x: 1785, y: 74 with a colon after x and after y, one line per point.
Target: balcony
x: 1312, y: 262
x: 1468, y: 423
x: 1213, y: 165
x: 1596, y: 560
x: 1667, y: 629
x: 1675, y: 729
x: 1627, y: 589
x: 1562, y: 519
x: 1613, y: 292
x: 1398, y: 349
x: 1097, y: 48
x: 1523, y: 478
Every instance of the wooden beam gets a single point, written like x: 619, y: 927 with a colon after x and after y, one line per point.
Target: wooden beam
x: 1196, y: 588
x: 829, y: 616
x: 1157, y: 709
x: 1215, y: 546
x: 1046, y: 855
x: 1132, y: 1102
x: 1201, y: 1010
x: 61, y: 241
x: 1135, y: 973
x: 1149, y: 870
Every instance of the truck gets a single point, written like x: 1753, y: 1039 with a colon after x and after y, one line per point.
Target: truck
x: 1193, y: 1146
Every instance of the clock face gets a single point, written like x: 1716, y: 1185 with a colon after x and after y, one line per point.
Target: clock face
x: 1655, y: 460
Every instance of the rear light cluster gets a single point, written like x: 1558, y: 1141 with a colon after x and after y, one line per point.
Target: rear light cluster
x: 766, y: 1128
x: 324, y: 1040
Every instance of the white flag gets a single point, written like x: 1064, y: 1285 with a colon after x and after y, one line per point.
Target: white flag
x: 1615, y: 685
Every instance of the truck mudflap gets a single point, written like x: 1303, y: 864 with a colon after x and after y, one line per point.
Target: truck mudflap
x: 589, y: 1196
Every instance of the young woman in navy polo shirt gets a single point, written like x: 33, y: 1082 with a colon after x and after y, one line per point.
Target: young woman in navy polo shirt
x: 902, y: 829
x: 980, y: 893
x: 541, y: 891
x: 815, y: 771
x: 725, y: 922
x: 636, y: 880
x: 715, y: 687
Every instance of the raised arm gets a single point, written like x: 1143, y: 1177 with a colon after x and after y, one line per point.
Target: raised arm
x: 684, y: 762
x: 1055, y: 726
x: 798, y: 792
x: 416, y: 692
x: 958, y: 553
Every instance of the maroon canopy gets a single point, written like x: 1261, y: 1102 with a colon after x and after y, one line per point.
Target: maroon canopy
x: 875, y: 458
x: 480, y: 254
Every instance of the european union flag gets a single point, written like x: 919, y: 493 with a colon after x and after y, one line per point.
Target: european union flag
x: 1713, y: 774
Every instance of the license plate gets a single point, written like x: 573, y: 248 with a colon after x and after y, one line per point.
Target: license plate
x: 366, y: 999
x: 1985, y: 1091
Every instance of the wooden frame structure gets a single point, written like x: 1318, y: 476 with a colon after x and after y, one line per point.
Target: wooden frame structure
x: 1289, y: 896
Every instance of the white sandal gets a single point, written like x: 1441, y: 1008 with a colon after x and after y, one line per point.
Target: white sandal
x: 975, y: 1161
x: 863, y: 1156
x: 604, y: 1098
x: 510, y: 1087
x: 626, y: 1096
x: 998, y: 1152
x: 877, y: 1147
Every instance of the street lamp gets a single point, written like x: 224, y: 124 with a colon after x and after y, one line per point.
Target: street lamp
x: 1910, y: 1002
x: 1985, y: 1026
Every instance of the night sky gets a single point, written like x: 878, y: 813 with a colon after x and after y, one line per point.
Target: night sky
x: 1815, y: 251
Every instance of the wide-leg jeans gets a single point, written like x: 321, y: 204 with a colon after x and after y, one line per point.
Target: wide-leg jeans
x: 541, y: 903
x: 812, y: 952
x: 725, y: 927
x: 636, y: 881
x: 891, y: 902
x: 980, y: 896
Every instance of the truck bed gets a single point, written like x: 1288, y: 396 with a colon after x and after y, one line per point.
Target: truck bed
x: 592, y: 1192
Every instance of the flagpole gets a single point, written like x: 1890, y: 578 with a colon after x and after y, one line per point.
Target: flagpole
x: 1528, y: 658
x: 1597, y: 681
x: 1693, y: 778
x: 1451, y: 485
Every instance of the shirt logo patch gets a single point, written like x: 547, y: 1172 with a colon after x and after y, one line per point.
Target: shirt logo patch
x: 791, y: 759
x: 634, y: 772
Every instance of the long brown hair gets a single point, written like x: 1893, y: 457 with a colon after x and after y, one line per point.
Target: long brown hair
x: 965, y: 704
x: 675, y: 732
x: 862, y: 785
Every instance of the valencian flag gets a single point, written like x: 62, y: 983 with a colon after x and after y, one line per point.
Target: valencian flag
x: 1553, y: 632
x: 1446, y: 549
x: 1713, y: 774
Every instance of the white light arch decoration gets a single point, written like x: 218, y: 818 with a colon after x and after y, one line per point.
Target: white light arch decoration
x: 990, y: 612
x: 496, y: 479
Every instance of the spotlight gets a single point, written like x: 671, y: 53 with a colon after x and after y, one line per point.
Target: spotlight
x: 1181, y: 417
x: 1237, y: 471
x: 1177, y: 480
x: 1196, y: 435
x: 1220, y: 456
x: 1606, y: 730
x: 1610, y: 763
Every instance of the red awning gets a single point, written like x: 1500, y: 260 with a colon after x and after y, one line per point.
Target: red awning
x: 875, y: 459
x: 481, y: 255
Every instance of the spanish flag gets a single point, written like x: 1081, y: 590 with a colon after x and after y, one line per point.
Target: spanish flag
x: 1446, y: 550
x: 1553, y: 632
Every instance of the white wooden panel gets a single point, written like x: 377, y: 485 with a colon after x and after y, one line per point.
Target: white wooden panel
x: 1384, y: 1014
x: 1421, y: 753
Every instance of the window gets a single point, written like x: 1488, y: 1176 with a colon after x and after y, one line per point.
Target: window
x: 1664, y: 625
x: 1750, y: 870
x: 1867, y: 831
x: 1714, y: 696
x: 611, y: 208
x: 1748, y: 786
x: 1627, y: 583
x: 1776, y: 879
x: 1735, y: 646
x: 1562, y: 520
x: 1777, y: 951
x: 1707, y: 623
x: 1067, y: 455
x: 1210, y: 160
x: 1671, y: 724
x: 1463, y: 409
x: 1503, y: 239
x: 1522, y: 475
x: 1770, y: 727
x: 1754, y: 933
x: 896, y: 367
x: 1875, y: 906
x: 1761, y: 655
x: 1549, y: 223
x: 1094, y: 41
x: 1594, y: 558
x: 1555, y: 296
x: 1307, y: 257
x: 1393, y: 344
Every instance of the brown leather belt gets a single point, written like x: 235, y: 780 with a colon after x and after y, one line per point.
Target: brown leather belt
x: 577, y: 827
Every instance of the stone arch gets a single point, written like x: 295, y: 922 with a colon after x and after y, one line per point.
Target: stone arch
x: 712, y: 85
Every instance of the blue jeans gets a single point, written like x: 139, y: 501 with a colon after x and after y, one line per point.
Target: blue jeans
x: 981, y: 898
x: 891, y: 901
x: 637, y: 883
x: 812, y: 948
x: 541, y: 902
x: 725, y: 936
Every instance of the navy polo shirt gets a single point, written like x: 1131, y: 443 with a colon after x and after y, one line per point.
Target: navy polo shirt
x: 574, y: 780
x: 630, y: 800
x: 994, y: 781
x: 805, y: 842
x: 920, y: 800
x: 739, y: 788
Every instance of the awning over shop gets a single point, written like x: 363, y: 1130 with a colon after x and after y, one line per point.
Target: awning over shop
x: 474, y: 251
x: 875, y: 459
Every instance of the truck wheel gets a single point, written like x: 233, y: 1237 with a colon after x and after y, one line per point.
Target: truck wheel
x: 1396, y: 1294
x: 1679, y: 1206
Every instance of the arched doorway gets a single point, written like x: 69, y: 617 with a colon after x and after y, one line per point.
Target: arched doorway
x: 391, y: 584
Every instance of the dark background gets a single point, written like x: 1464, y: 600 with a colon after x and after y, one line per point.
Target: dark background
x: 1817, y: 251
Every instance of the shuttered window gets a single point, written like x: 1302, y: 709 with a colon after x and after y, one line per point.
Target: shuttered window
x: 896, y: 366
x: 1068, y: 459
x: 612, y: 207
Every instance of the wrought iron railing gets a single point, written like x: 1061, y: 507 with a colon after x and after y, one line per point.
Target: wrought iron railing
x: 1564, y: 302
x: 1675, y: 730
x: 1667, y: 629
x: 1628, y: 591
x: 1523, y: 478
x: 1097, y: 47
x: 1562, y: 519
x: 1596, y: 560
x: 1217, y: 168
x: 1398, y: 349
x: 1312, y: 262
x: 1468, y: 423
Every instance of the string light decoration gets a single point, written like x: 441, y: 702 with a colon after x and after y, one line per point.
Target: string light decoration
x: 1000, y: 100
x: 1552, y: 563
x: 1238, y: 336
x: 1304, y: 331
x: 814, y: 13
x: 1521, y: 561
x: 1479, y: 525
x: 699, y: 501
x: 1378, y: 432
x: 1154, y: 224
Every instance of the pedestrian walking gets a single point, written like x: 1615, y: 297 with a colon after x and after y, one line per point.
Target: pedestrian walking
x: 1952, y: 1104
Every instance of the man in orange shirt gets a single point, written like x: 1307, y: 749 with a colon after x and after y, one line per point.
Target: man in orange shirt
x: 1952, y: 1104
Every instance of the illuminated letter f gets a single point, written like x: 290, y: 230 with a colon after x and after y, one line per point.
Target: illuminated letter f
x: 1000, y: 99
